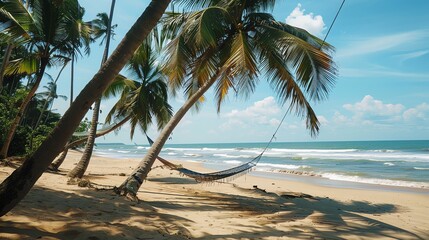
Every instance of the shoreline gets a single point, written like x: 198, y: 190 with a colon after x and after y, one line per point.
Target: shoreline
x: 175, y: 207
x: 302, y: 176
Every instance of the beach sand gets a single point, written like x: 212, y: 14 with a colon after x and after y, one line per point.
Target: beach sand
x: 175, y: 207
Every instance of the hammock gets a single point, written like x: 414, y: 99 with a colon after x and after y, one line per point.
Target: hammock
x: 225, y: 175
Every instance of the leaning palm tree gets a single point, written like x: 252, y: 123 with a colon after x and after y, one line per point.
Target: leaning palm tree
x: 140, y: 101
x: 51, y: 29
x: 16, y: 186
x: 80, y: 168
x: 230, y: 44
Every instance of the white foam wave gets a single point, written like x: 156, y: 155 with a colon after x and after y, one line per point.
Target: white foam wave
x: 387, y: 182
x: 389, y: 164
x: 421, y: 168
x: 313, y: 150
x: 279, y: 166
x: 171, y: 153
x: 233, y: 162
x: 122, y: 151
x: 141, y: 147
x: 361, y: 155
x: 224, y: 155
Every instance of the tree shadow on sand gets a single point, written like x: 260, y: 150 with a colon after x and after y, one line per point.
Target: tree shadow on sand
x: 287, y: 215
x: 87, y: 214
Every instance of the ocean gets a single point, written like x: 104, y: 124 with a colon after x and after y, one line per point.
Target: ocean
x: 390, y: 163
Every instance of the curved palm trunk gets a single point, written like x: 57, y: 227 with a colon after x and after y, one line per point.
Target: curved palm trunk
x: 57, y: 163
x: 5, y: 148
x: 5, y: 62
x: 82, y: 165
x: 15, y: 187
x: 132, y: 184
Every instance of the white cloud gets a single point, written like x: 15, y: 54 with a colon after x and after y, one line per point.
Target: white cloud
x: 261, y: 112
x: 339, y: 118
x: 371, y: 106
x: 419, y: 112
x: 381, y: 43
x: 309, y: 22
x: 323, y: 120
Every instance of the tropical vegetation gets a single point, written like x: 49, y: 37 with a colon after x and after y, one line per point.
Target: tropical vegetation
x: 222, y: 45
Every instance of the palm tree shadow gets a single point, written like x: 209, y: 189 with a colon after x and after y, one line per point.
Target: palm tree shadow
x: 88, y: 214
x: 328, y: 218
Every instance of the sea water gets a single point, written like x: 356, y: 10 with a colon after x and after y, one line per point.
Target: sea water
x: 392, y: 163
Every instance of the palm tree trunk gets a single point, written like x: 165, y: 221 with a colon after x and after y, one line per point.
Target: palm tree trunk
x: 72, y: 80
x: 57, y: 163
x: 132, y: 184
x: 82, y: 165
x: 5, y: 148
x: 15, y: 187
x: 5, y: 62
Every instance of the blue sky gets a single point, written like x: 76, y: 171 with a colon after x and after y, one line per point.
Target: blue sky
x: 381, y: 93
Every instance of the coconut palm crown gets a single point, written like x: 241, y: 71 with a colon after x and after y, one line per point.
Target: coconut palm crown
x: 236, y: 42
x: 145, y: 98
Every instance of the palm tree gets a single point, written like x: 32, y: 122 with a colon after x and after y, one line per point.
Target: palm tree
x: 228, y: 45
x: 99, y: 27
x: 52, y: 29
x: 16, y: 186
x: 79, y: 170
x: 140, y: 101
x: 147, y: 97
x: 50, y: 95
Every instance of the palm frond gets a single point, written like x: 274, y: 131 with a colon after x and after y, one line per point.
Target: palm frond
x: 25, y: 66
x: 15, y: 21
x: 176, y: 62
x: 118, y: 86
x: 315, y: 69
x: 242, y: 63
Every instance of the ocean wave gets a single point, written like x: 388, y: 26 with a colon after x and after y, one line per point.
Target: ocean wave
x: 383, y: 151
x: 141, y: 147
x: 389, y: 164
x: 387, y: 182
x: 224, y: 155
x: 122, y: 151
x: 233, y: 162
x: 313, y: 150
x: 192, y: 155
x: 363, y: 155
x: 280, y: 166
x: 421, y: 168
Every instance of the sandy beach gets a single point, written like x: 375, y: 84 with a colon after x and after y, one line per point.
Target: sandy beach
x: 175, y: 207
